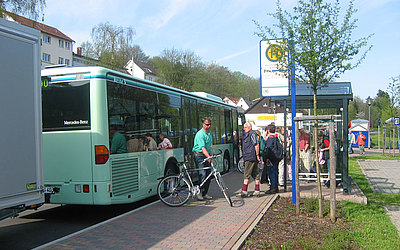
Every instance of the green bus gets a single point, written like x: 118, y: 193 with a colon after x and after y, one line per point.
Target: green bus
x: 81, y: 104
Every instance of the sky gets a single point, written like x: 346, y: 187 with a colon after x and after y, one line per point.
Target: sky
x: 223, y: 31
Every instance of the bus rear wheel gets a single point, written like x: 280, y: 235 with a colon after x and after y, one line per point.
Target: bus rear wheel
x: 226, y: 162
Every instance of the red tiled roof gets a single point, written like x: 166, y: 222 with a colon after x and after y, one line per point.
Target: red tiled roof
x: 234, y: 100
x: 39, y: 26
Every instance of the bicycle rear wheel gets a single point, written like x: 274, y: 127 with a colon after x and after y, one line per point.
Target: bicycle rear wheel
x: 240, y: 165
x: 174, y: 190
x: 223, y: 188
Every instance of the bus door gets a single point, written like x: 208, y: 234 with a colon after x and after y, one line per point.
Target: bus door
x: 189, y: 109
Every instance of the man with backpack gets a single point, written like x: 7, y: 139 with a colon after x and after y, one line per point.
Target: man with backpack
x: 274, y: 155
x: 251, y: 157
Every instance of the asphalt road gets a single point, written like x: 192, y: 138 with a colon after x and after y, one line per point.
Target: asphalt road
x: 50, y: 222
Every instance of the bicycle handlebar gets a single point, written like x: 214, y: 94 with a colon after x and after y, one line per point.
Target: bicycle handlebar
x: 213, y: 156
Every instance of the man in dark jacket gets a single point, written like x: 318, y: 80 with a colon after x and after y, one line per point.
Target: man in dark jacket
x: 251, y: 157
x: 272, y: 164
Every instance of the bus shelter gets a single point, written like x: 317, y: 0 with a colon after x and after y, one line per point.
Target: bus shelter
x: 335, y: 96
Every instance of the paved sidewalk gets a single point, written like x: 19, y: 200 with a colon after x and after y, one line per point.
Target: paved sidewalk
x: 384, y: 177
x: 209, y: 224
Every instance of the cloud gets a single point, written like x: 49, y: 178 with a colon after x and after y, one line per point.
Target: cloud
x: 159, y: 20
x: 236, y: 54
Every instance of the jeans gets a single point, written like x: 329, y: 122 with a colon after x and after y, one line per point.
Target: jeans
x: 273, y: 174
x: 198, y: 158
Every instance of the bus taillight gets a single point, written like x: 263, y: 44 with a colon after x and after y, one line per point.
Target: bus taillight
x: 102, y: 154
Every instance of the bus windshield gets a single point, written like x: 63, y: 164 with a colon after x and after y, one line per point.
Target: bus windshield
x: 66, y: 106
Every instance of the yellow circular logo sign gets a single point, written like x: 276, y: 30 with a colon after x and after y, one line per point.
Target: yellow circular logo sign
x: 274, y: 53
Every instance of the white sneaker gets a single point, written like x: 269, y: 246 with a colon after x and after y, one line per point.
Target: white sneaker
x: 256, y: 193
x: 207, y: 197
x: 200, y: 197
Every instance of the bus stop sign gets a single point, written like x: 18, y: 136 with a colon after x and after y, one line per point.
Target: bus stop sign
x: 397, y: 120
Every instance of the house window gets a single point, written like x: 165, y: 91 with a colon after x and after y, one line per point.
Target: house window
x: 61, y: 43
x: 46, y: 39
x: 67, y: 61
x: 60, y: 60
x: 67, y: 45
x: 46, y: 57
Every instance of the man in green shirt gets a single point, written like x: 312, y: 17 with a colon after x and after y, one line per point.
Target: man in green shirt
x: 118, y: 142
x: 202, y: 150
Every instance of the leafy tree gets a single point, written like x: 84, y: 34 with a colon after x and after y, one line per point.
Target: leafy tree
x: 248, y: 87
x: 178, y: 68
x: 218, y: 80
x: 113, y: 46
x: 320, y: 46
x: 30, y: 7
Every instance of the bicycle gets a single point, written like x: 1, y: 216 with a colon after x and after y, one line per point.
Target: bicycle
x: 175, y: 190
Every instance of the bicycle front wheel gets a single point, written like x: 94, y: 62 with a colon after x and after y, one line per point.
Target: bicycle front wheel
x: 174, y: 190
x: 223, y: 188
x: 240, y: 165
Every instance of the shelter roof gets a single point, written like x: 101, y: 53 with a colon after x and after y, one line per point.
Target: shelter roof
x: 331, y: 96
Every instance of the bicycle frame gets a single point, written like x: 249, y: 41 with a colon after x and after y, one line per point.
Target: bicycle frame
x: 187, y: 175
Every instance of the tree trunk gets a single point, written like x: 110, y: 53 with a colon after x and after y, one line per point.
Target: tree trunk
x: 317, y: 167
x: 296, y: 174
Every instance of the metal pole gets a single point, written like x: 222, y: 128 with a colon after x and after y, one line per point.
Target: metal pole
x: 296, y: 172
x: 332, y: 171
x: 369, y: 125
x: 294, y: 131
x: 379, y: 136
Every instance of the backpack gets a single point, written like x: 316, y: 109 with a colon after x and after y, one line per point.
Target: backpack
x: 274, y: 149
x: 262, y: 145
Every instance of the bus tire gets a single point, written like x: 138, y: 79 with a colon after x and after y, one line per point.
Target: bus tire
x: 226, y: 162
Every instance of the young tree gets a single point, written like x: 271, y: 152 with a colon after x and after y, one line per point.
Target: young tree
x: 30, y: 7
x: 394, y: 96
x: 113, y: 46
x: 320, y: 46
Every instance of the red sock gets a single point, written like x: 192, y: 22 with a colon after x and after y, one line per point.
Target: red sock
x: 244, y: 188
x: 257, y: 188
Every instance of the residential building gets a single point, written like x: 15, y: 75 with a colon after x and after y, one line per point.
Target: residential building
x: 265, y: 111
x: 241, y: 103
x: 78, y: 60
x: 141, y: 70
x: 56, y: 47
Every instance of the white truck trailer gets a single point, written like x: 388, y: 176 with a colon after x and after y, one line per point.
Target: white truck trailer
x: 21, y: 176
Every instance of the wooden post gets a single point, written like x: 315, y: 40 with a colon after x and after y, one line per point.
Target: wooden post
x: 332, y: 168
x: 296, y: 174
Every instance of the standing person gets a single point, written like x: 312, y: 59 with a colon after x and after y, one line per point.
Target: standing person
x: 151, y: 145
x: 272, y: 138
x: 281, y: 165
x: 264, y: 175
x: 202, y: 150
x: 134, y: 144
x: 324, y: 149
x: 304, y: 147
x: 118, y: 142
x: 351, y: 138
x: 251, y: 157
x: 165, y: 143
x: 361, y: 142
